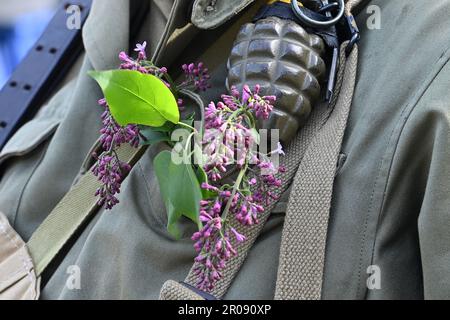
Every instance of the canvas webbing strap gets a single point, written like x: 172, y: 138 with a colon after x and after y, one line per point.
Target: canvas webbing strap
x: 312, y: 159
x: 294, y: 153
x: 78, y: 204
x: 302, y: 254
x: 303, y: 244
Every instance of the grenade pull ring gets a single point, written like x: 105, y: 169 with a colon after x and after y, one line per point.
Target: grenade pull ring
x: 313, y: 22
x: 287, y: 59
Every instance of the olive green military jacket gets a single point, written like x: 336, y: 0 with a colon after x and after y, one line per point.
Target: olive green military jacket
x: 391, y: 204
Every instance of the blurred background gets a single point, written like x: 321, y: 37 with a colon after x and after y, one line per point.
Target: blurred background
x: 21, y: 24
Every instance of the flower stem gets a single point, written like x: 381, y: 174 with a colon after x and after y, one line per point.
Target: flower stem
x: 235, y: 189
x: 185, y: 125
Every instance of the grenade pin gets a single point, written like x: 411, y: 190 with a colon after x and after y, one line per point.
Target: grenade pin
x: 324, y: 24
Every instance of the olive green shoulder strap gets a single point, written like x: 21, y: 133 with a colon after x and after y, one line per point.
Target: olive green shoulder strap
x: 78, y: 204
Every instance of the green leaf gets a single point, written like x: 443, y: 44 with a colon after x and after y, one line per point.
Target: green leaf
x: 161, y: 166
x: 136, y: 98
x: 167, y: 127
x: 153, y: 136
x: 172, y: 222
x: 184, y: 191
x: 180, y: 190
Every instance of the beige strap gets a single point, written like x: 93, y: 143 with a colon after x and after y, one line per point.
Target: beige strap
x: 304, y: 234
x: 294, y: 155
x: 172, y: 290
x: 70, y: 213
x: 302, y: 255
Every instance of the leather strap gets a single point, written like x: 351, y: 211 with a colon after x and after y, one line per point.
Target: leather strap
x: 41, y: 70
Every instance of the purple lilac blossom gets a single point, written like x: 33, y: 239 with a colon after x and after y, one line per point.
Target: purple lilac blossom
x: 109, y: 169
x: 197, y: 75
x: 228, y: 132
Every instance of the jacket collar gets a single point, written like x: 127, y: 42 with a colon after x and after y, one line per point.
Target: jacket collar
x: 107, y: 30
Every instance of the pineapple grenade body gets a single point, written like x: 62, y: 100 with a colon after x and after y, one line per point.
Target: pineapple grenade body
x: 287, y: 62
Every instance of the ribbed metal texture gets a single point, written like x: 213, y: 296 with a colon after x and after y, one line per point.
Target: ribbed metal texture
x: 287, y: 62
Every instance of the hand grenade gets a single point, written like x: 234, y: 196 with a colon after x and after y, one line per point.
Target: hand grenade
x: 287, y: 62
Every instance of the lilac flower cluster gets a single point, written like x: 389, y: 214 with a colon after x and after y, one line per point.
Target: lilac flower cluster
x: 215, y: 247
x: 141, y: 64
x: 114, y: 134
x: 196, y: 75
x: 229, y: 125
x: 109, y: 169
x: 262, y: 106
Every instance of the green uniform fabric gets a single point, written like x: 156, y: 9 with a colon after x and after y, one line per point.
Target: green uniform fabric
x: 391, y: 195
